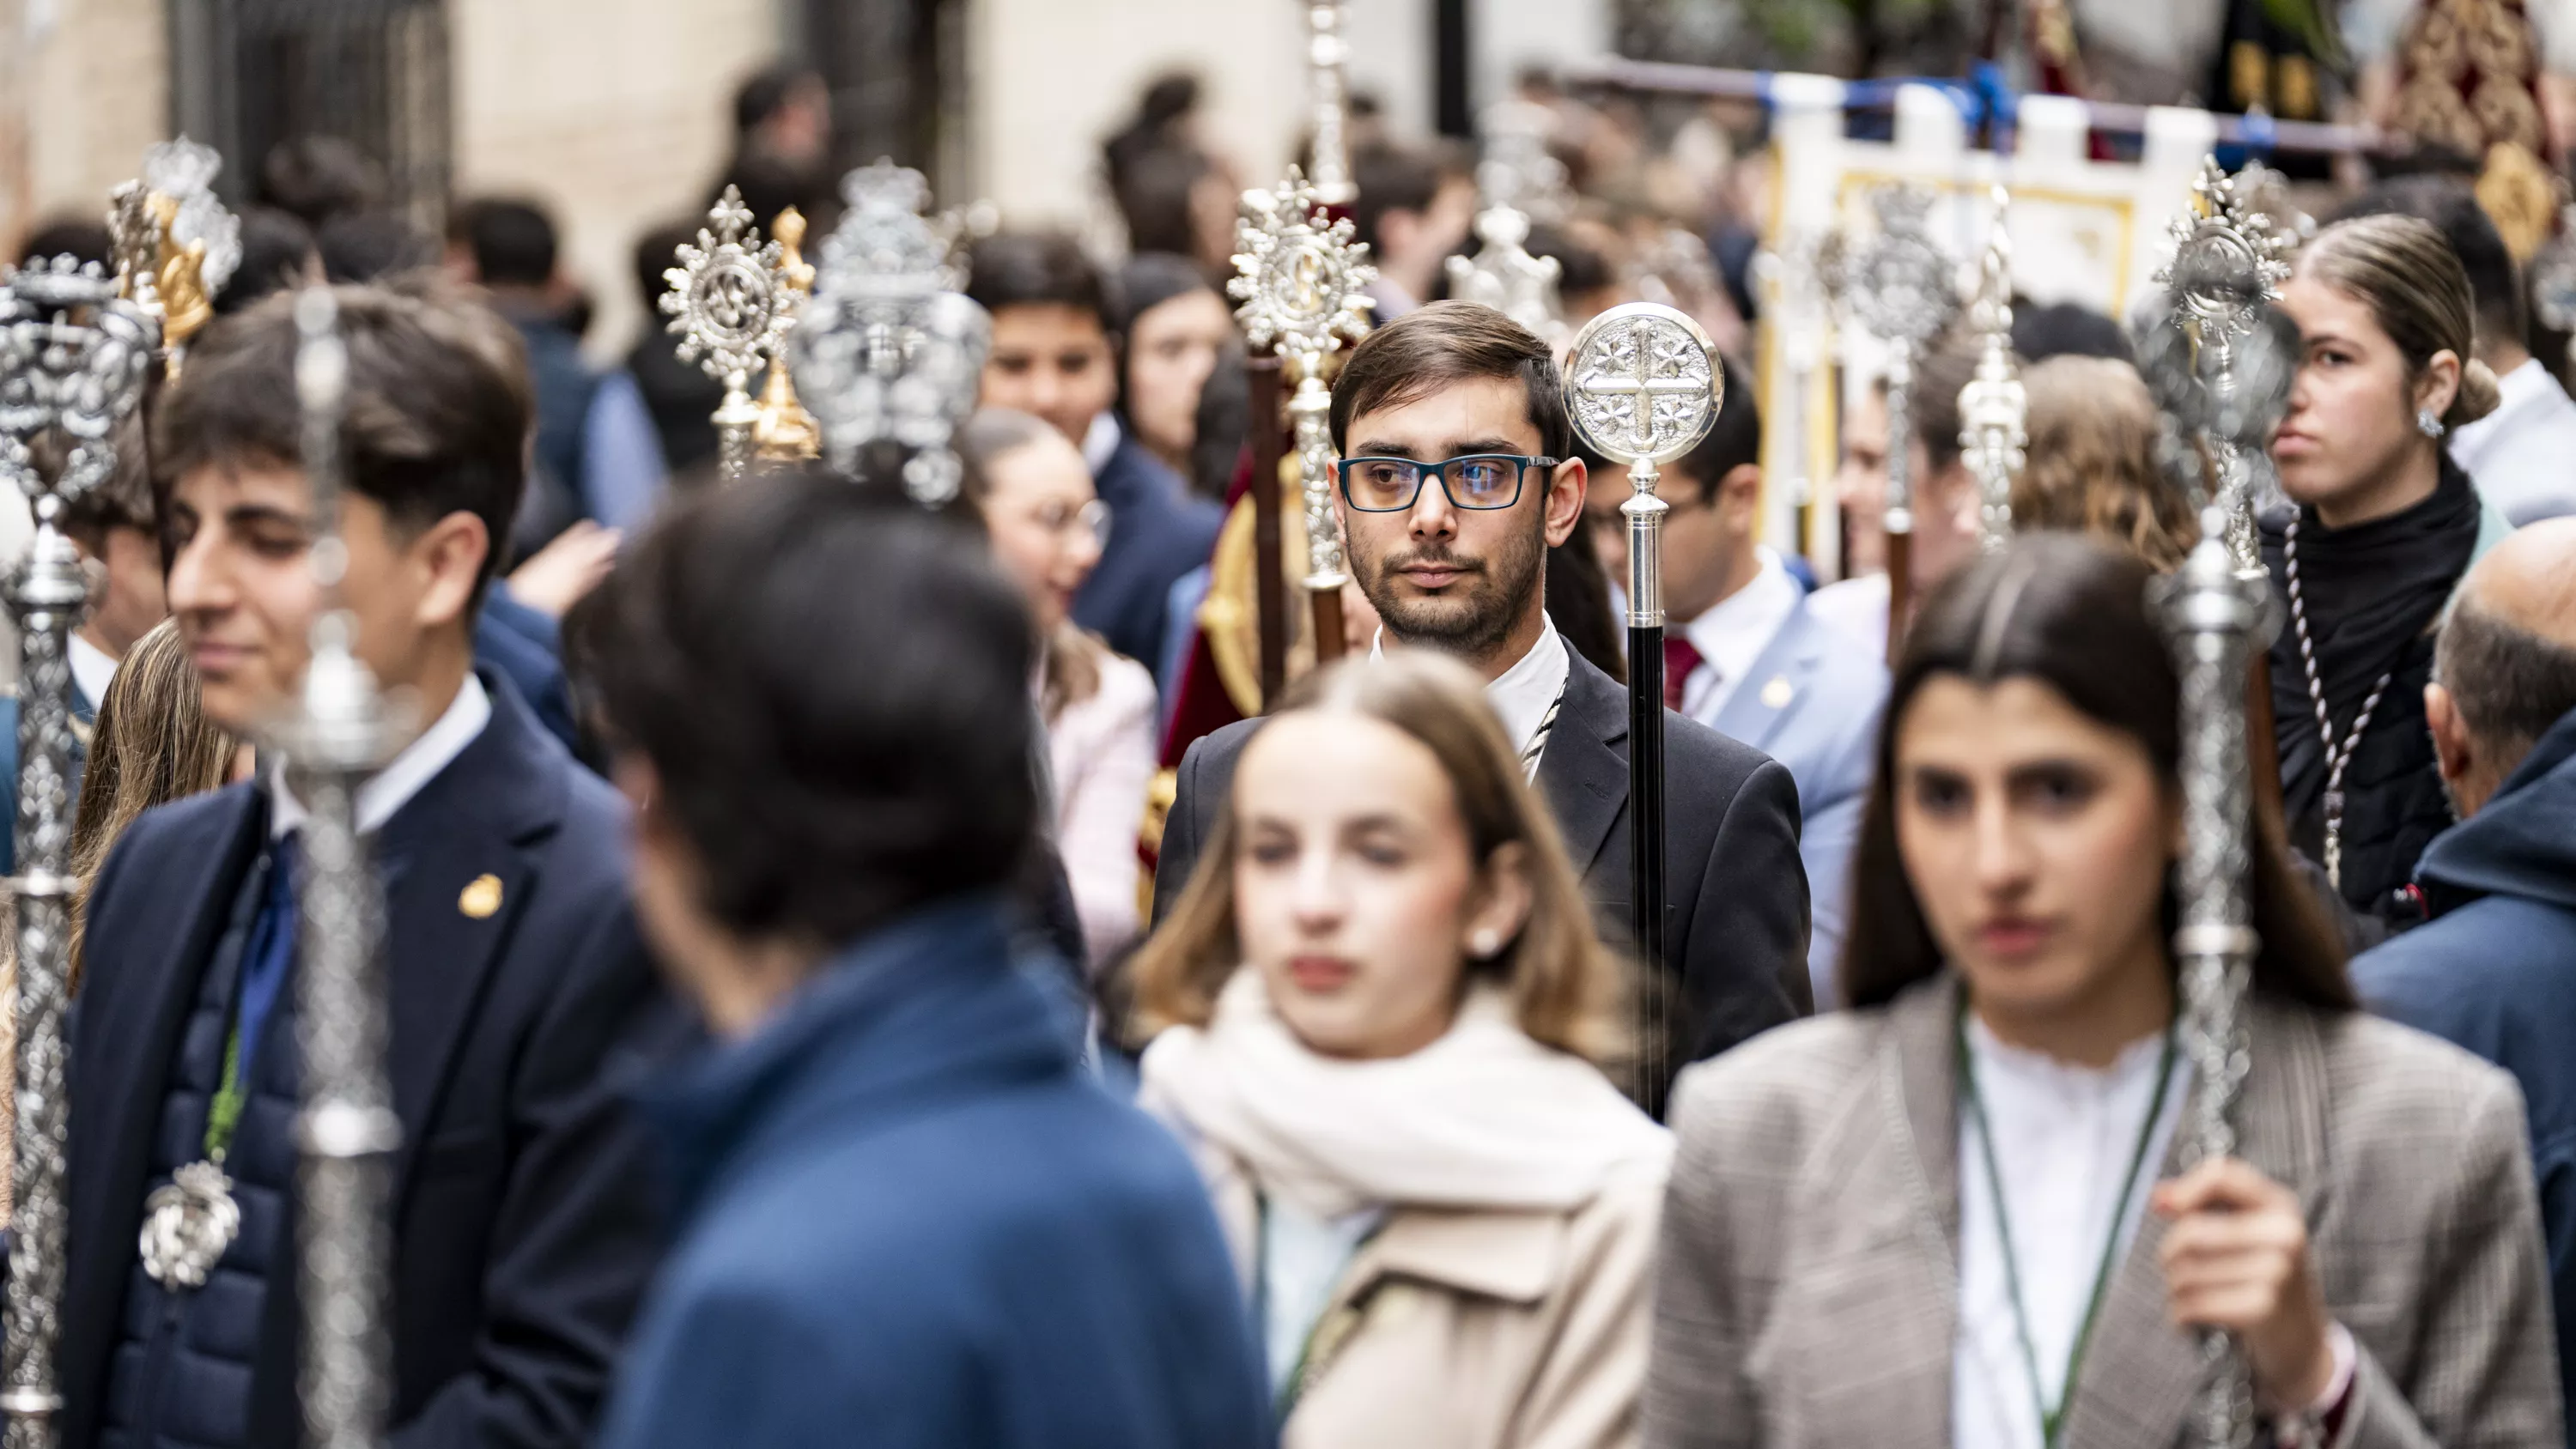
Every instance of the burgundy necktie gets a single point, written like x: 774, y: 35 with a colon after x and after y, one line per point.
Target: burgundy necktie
x: 1679, y: 660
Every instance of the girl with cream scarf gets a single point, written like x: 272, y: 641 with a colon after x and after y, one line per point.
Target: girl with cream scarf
x: 1380, y: 1011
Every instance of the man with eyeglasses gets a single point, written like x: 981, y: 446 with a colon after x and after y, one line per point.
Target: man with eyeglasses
x: 1457, y: 475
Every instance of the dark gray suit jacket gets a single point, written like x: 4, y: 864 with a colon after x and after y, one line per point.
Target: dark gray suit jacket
x: 1736, y: 937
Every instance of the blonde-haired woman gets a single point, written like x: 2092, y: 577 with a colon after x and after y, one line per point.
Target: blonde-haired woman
x: 1380, y: 1008
x: 2381, y: 528
x: 151, y: 744
x: 1047, y: 526
x: 2093, y: 467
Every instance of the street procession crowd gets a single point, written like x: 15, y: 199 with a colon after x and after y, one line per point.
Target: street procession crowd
x: 1242, y: 828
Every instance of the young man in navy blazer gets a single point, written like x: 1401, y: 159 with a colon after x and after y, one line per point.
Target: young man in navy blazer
x: 522, y: 1231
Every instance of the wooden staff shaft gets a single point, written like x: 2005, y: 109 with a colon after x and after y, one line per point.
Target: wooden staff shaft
x: 1270, y: 575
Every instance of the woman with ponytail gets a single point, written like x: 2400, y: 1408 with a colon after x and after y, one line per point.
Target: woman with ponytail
x: 2380, y: 526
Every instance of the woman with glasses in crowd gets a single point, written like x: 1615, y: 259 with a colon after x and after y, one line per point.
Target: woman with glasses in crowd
x: 1047, y: 525
x: 1380, y: 1009
x: 1976, y: 1175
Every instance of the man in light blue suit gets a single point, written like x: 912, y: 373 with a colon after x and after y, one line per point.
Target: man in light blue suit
x: 1745, y: 655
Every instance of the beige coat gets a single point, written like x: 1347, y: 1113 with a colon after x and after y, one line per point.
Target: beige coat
x: 1806, y: 1297
x: 1476, y: 1330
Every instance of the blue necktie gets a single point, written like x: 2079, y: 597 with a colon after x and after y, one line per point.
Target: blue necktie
x: 268, y: 958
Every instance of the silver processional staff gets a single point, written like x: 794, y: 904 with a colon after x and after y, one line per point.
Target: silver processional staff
x: 731, y: 302
x: 73, y: 359
x: 340, y: 734
x: 1643, y: 387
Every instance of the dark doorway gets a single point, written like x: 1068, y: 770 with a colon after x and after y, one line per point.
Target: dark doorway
x: 897, y: 69
x: 247, y: 75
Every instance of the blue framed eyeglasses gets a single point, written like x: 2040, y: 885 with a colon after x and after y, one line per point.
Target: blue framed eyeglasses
x: 1476, y: 480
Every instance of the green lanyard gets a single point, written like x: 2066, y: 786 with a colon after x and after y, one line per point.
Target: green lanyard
x: 223, y: 1115
x: 2052, y: 1421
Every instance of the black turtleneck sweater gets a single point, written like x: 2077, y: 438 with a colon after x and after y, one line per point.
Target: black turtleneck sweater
x: 2375, y: 593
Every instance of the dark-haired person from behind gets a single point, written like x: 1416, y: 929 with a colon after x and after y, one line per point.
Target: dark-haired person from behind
x: 2489, y: 971
x: 1415, y: 206
x: 522, y: 1225
x: 1458, y: 474
x: 908, y: 1217
x: 1986, y: 1159
x: 1055, y: 357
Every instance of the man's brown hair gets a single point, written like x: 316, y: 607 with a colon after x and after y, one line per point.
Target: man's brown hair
x: 439, y: 405
x: 1431, y: 347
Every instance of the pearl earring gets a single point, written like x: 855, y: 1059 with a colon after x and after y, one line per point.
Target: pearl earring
x: 1485, y: 944
x: 2427, y: 424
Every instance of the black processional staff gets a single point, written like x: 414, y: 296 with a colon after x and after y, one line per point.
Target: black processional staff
x: 1642, y: 386
x: 73, y: 360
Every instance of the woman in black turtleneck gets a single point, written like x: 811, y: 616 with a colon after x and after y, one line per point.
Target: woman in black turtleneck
x: 2384, y: 524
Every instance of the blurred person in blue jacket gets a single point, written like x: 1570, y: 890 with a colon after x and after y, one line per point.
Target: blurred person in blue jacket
x: 2494, y: 970
x: 907, y: 1216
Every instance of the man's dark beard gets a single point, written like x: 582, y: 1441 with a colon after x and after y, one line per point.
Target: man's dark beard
x: 1472, y: 624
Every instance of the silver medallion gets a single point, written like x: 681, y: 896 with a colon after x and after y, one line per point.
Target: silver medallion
x: 187, y: 1225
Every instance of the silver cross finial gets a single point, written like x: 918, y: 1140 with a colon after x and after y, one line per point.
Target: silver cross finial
x: 2226, y: 268
x: 729, y: 302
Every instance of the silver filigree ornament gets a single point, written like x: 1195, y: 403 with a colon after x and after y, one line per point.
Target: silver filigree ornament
x: 1994, y: 409
x: 1795, y: 300
x: 1900, y: 286
x: 887, y: 349
x: 185, y: 171
x: 2215, y: 617
x: 73, y: 361
x: 1519, y: 170
x: 2227, y: 266
x: 1642, y: 387
x: 1328, y: 54
x: 729, y: 304
x: 1303, y: 285
x: 1504, y: 275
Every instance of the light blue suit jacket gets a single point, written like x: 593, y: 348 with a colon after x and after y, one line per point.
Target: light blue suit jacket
x: 1812, y: 702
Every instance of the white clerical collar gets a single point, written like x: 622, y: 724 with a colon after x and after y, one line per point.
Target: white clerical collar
x: 420, y: 762
x: 93, y: 669
x: 1100, y: 440
x: 1523, y: 694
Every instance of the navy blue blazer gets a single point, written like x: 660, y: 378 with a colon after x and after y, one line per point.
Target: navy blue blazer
x: 915, y: 1223
x: 1157, y: 532
x: 1812, y: 701
x: 525, y: 1224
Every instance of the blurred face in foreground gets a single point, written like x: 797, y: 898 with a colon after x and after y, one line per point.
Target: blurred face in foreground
x: 2037, y: 841
x: 1356, y: 894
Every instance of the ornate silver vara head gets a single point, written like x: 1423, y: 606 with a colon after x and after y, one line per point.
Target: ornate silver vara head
x: 1302, y: 281
x: 1898, y: 283
x: 729, y: 296
x: 73, y: 357
x: 1642, y: 383
x: 2227, y: 261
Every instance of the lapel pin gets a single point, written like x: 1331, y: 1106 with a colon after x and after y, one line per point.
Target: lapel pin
x: 1777, y: 693
x: 481, y: 896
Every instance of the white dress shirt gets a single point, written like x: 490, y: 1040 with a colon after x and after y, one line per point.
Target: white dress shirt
x: 2063, y: 1135
x: 1524, y: 693
x: 393, y: 787
x: 2522, y: 456
x: 93, y: 669
x: 1732, y: 633
x: 1100, y: 440
x: 1303, y: 1257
